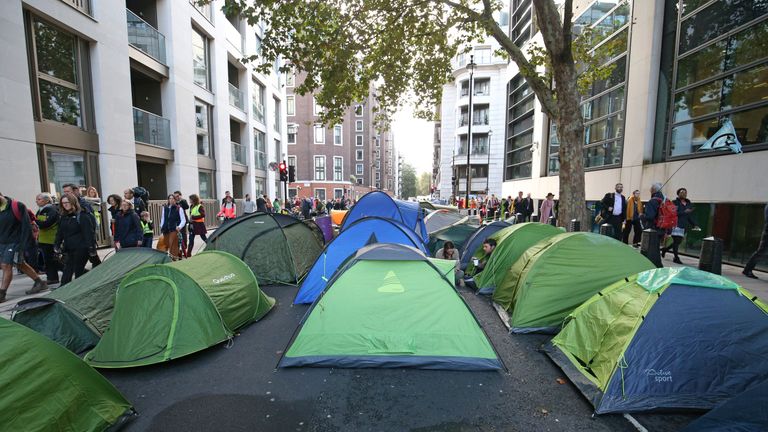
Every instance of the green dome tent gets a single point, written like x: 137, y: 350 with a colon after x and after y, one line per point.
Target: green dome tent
x: 77, y: 314
x: 46, y: 387
x: 557, y: 274
x: 511, y: 243
x: 391, y: 306
x: 167, y: 311
x: 670, y: 338
x: 278, y: 248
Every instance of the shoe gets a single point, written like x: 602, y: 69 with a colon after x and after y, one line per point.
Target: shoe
x: 749, y: 274
x: 635, y: 245
x: 40, y: 285
x: 663, y: 252
x: 677, y: 260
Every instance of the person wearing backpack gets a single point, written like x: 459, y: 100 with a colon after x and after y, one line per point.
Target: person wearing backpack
x: 15, y: 235
x: 87, y: 209
x: 657, y: 215
x: 47, y: 218
x: 74, y: 238
x: 761, y: 248
x: 684, y: 219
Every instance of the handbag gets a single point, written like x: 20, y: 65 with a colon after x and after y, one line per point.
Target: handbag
x: 599, y: 219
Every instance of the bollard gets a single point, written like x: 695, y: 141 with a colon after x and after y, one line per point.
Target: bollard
x: 649, y: 246
x: 552, y: 221
x: 535, y: 218
x: 606, y: 229
x: 519, y: 218
x: 574, y: 226
x: 711, y: 258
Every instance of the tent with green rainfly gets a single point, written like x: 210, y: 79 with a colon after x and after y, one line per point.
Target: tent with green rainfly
x: 511, y: 243
x: 167, y: 311
x: 456, y: 233
x: 278, y: 248
x: 391, y: 306
x: 557, y: 274
x: 46, y: 387
x: 77, y: 314
x: 671, y: 338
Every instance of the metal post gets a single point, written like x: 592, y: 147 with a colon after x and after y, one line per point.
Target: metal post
x: 534, y: 218
x: 519, y: 218
x: 574, y: 226
x: 649, y: 246
x: 606, y: 229
x: 711, y: 259
x: 471, y: 67
x: 552, y: 221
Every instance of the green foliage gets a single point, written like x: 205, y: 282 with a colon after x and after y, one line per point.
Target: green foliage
x: 424, y: 183
x: 408, y: 175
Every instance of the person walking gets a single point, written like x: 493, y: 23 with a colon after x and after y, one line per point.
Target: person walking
x: 87, y: 209
x: 276, y: 205
x: 651, y: 212
x: 128, y: 229
x: 138, y: 203
x: 228, y: 210
x: 15, y: 237
x: 92, y: 197
x: 198, y: 228
x: 473, y: 206
x: 547, y: 208
x: 171, y: 223
x: 493, y: 207
x: 74, y: 238
x: 519, y: 204
x: 761, y: 248
x: 47, y: 218
x: 249, y: 206
x: 615, y: 210
x: 634, y: 211
x: 684, y: 219
x: 113, y: 201
x: 181, y: 202
x: 147, y: 229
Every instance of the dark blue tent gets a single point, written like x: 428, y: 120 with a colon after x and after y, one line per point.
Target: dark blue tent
x: 476, y: 240
x: 379, y: 204
x: 362, y: 232
x: 744, y: 413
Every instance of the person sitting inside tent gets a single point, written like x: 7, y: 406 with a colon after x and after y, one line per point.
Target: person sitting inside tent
x: 449, y: 252
x: 488, y: 246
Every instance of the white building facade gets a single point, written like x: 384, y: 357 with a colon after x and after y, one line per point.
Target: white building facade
x: 150, y: 93
x: 681, y: 69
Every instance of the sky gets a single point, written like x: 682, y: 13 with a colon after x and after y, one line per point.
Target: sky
x: 413, y: 139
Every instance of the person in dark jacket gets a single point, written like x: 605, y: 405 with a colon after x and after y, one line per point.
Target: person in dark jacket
x: 15, y: 236
x: 761, y: 248
x: 261, y: 204
x: 74, y: 238
x: 87, y: 209
x: 684, y: 219
x: 171, y: 223
x: 181, y: 202
x: 650, y: 213
x: 47, y: 218
x: 128, y: 230
x: 614, y: 210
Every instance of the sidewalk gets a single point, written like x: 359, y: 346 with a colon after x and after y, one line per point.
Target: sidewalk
x: 21, y: 283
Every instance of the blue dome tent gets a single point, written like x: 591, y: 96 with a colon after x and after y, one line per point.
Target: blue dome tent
x: 379, y: 204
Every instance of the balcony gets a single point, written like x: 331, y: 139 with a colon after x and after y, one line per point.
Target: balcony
x: 151, y: 129
x: 238, y: 153
x: 233, y: 36
x: 144, y: 37
x: 236, y: 98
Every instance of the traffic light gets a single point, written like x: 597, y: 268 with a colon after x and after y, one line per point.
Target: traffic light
x: 283, y: 171
x: 291, y: 173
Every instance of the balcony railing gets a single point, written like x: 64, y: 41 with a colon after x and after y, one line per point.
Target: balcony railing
x: 151, y: 129
x: 236, y: 98
x: 83, y: 6
x: 145, y: 37
x: 258, y: 111
x: 238, y: 153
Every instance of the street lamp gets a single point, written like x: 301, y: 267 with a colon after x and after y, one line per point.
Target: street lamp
x: 488, y: 166
x: 471, y: 67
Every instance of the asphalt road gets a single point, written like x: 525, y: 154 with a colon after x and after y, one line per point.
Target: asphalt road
x: 237, y: 388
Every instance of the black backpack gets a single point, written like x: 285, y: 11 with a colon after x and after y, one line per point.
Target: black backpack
x: 142, y: 194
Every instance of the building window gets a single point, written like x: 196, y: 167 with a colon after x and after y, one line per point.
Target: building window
x: 260, y: 149
x: 292, y: 192
x: 519, y: 132
x: 378, y: 185
x: 359, y: 169
x: 358, y: 125
x: 205, y: 184
x: 378, y: 176
x: 290, y: 105
x: 318, y: 109
x: 202, y: 122
x: 65, y: 167
x: 520, y: 28
x: 319, y: 134
x: 360, y: 181
x: 319, y: 167
x: 278, y: 126
x: 480, y: 144
x: 293, y: 130
x: 258, y: 101
x: 338, y: 168
x: 358, y: 110
x: 483, y: 55
x: 358, y: 155
x: 320, y: 194
x: 61, y: 63
x: 482, y: 87
x: 338, y: 193
x: 479, y: 115
x: 290, y: 79
x: 200, y: 60
x: 358, y: 140
x: 279, y: 155
x: 259, y: 188
x: 337, y: 136
x: 292, y: 161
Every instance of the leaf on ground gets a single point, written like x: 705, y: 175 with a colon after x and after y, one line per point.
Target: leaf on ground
x: 560, y: 381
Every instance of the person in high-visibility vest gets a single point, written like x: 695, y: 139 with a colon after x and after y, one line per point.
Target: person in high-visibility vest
x: 148, y: 228
x: 197, y: 218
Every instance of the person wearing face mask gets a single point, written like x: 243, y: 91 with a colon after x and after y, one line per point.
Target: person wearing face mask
x: 634, y: 211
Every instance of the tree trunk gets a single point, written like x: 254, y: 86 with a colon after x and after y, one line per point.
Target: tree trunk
x: 570, y: 131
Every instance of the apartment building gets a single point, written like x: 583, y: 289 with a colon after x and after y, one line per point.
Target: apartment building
x: 146, y: 92
x: 342, y: 160
x: 681, y: 69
